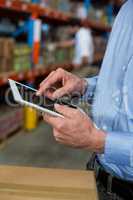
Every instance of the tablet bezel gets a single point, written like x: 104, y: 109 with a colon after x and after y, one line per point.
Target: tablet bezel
x: 18, y: 99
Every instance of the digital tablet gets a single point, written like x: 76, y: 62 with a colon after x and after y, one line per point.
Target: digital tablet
x: 26, y: 96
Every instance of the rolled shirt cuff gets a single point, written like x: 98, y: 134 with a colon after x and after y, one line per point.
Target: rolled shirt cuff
x: 119, y: 149
x: 91, y: 85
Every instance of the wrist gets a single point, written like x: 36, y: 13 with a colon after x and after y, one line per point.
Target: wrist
x: 99, y: 137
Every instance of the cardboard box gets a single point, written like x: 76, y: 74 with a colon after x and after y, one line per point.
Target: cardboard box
x: 6, y: 47
x: 6, y: 64
x: 22, y: 57
x: 22, y: 183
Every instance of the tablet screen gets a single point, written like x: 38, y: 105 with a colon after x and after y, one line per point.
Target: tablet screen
x: 29, y: 94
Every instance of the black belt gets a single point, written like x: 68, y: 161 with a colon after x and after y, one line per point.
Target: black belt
x: 123, y: 189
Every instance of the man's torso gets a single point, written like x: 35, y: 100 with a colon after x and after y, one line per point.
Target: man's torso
x: 114, y: 82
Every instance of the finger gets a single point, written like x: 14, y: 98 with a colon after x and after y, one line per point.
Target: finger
x: 65, y: 110
x: 55, y: 122
x: 49, y: 94
x: 52, y: 80
x: 61, y: 139
x: 61, y: 92
x: 58, y: 136
x: 46, y: 79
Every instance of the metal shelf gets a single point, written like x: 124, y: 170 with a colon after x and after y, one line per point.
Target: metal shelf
x: 50, y: 15
x: 47, y: 14
x: 34, y: 10
x: 31, y: 74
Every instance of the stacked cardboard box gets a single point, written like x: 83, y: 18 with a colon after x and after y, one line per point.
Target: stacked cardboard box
x: 6, y: 54
x: 44, y: 184
x: 59, y: 5
x: 14, y: 56
x: 22, y: 57
x: 57, y: 55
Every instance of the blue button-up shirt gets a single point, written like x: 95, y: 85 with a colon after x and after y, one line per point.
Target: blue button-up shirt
x: 112, y: 108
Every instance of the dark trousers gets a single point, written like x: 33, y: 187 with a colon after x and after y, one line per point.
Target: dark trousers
x: 109, y: 187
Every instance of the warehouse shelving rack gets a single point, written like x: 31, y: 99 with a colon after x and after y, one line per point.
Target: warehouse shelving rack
x: 38, y: 14
x: 47, y: 15
x: 32, y: 74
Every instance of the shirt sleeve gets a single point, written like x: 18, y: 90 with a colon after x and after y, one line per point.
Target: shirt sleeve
x: 91, y: 86
x: 119, y: 149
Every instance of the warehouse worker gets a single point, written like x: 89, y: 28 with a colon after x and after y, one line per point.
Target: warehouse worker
x: 83, y: 39
x: 110, y: 134
x: 83, y: 45
x: 82, y: 42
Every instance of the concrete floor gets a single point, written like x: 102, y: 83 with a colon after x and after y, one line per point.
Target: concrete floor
x: 39, y: 149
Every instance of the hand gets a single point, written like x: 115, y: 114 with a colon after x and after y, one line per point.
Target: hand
x: 76, y: 129
x: 70, y: 83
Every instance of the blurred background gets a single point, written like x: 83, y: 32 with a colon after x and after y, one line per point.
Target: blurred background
x: 36, y: 37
